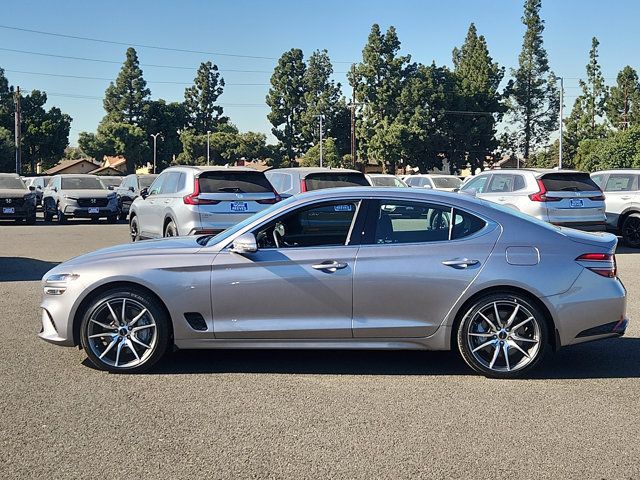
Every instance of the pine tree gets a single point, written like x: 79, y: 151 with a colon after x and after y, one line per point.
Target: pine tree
x: 125, y: 99
x: 623, y: 100
x: 593, y: 91
x: 286, y: 98
x: 533, y: 95
x: 200, y: 99
x: 477, y: 81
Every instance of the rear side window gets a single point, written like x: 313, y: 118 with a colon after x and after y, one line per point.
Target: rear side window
x: 318, y: 181
x: 569, y: 182
x: 234, y: 182
x: 620, y: 182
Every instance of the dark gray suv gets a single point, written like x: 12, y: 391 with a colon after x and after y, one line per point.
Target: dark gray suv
x: 17, y: 202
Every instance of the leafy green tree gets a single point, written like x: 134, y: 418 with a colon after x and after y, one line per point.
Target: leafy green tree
x: 477, y: 80
x: 286, y: 98
x: 623, y: 100
x: 200, y: 100
x: 322, y: 97
x: 7, y: 151
x: 125, y: 100
x: 330, y: 154
x: 252, y: 146
x: 533, y: 95
x: 621, y: 149
x: 116, y: 138
x: 167, y: 119
x: 6, y: 102
x: 547, y: 157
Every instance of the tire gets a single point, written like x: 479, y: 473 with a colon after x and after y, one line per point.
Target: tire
x: 134, y: 229
x: 48, y: 217
x: 112, y: 219
x: 132, y: 346
x: 170, y: 230
x: 31, y: 219
x: 524, y: 338
x: 62, y: 218
x: 122, y: 215
x: 631, y: 230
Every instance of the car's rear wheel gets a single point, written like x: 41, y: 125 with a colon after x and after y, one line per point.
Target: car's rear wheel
x: 124, y: 330
x: 112, y: 218
x: 631, y: 230
x: 31, y: 219
x: 170, y: 230
x: 503, y: 335
x: 134, y: 229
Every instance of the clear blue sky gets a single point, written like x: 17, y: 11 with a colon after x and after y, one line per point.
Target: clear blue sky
x: 428, y: 30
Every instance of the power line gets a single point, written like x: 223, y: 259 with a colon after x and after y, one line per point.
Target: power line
x: 81, y: 77
x: 140, y: 45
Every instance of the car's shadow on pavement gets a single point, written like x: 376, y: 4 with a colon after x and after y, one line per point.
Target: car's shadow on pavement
x: 613, y: 358
x: 20, y: 269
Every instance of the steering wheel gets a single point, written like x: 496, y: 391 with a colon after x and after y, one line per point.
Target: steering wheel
x: 278, y: 234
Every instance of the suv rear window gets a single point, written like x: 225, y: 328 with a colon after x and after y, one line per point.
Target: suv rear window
x: 318, y: 181
x: 446, y: 182
x: 569, y: 182
x: 234, y: 182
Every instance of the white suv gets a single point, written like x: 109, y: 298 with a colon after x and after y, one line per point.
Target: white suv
x: 622, y: 191
x: 563, y: 197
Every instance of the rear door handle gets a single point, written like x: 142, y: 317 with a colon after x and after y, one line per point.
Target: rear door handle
x: 460, y: 262
x: 330, y: 266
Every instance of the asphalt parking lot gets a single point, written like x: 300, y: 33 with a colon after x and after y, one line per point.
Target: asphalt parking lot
x: 297, y: 414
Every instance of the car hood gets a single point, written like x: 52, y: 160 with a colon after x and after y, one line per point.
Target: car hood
x: 605, y: 240
x: 98, y: 193
x: 13, y: 193
x: 163, y: 246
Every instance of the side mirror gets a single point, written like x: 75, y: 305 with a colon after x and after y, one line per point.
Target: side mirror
x: 55, y: 189
x: 32, y: 188
x: 111, y: 187
x: 428, y: 187
x: 245, y: 243
x: 144, y: 193
x: 131, y: 189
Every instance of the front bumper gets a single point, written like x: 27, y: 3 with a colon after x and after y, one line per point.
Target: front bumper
x: 83, y: 212
x: 19, y: 213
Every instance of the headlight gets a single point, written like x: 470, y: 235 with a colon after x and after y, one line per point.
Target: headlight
x: 69, y: 198
x: 56, y: 284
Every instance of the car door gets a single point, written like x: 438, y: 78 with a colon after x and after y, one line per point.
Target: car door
x: 621, y: 190
x: 147, y: 210
x: 299, y: 282
x: 476, y: 185
x: 415, y: 261
x: 500, y: 188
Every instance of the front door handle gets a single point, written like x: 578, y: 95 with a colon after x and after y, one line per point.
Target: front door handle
x: 330, y: 266
x: 460, y: 262
x: 625, y: 198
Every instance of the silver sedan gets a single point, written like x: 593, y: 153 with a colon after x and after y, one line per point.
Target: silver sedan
x: 352, y: 268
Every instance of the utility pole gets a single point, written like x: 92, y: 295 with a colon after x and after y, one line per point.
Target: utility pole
x: 208, y: 133
x: 18, y: 133
x: 155, y: 137
x: 352, y: 107
x: 561, y: 114
x: 320, y: 117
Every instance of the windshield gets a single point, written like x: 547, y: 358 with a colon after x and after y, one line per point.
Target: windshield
x: 446, y: 182
x: 115, y: 181
x: 81, y: 183
x: 11, y: 183
x: 147, y: 180
x: 389, y: 181
x: 318, y: 181
x: 210, y: 240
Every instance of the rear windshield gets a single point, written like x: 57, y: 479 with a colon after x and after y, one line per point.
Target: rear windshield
x: 81, y: 183
x: 146, y: 182
x: 569, y: 182
x: 11, y: 183
x: 446, y: 182
x: 387, y: 182
x: 318, y: 181
x: 234, y: 182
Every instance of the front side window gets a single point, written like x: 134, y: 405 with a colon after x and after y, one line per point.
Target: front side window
x: 398, y: 222
x: 619, y: 182
x: 477, y: 184
x: 154, y: 189
x: 320, y: 225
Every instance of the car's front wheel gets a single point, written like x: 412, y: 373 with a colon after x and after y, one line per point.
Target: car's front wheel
x: 124, y: 330
x: 134, y: 229
x: 503, y: 335
x: 171, y: 230
x: 631, y: 230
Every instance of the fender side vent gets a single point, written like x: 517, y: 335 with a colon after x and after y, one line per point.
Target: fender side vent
x: 196, y: 321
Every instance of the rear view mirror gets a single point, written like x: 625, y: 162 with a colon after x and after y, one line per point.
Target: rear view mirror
x: 245, y: 243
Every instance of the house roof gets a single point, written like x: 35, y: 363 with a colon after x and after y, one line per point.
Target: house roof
x: 106, y: 170
x: 113, y: 161
x: 64, y: 164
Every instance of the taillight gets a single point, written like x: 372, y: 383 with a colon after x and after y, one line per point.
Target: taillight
x: 194, y: 199
x: 603, y: 264
x: 599, y: 198
x: 303, y: 185
x: 271, y: 201
x: 541, y: 196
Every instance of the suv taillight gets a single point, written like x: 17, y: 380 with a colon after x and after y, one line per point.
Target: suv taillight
x: 194, y: 199
x: 599, y: 198
x: 603, y: 264
x: 541, y: 196
x: 271, y: 201
x: 303, y: 185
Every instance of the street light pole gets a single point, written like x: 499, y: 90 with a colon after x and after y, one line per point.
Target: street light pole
x: 320, y: 117
x: 561, y: 115
x: 155, y: 137
x: 208, y: 132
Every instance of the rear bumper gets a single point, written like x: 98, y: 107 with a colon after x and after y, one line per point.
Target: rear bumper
x: 586, y: 226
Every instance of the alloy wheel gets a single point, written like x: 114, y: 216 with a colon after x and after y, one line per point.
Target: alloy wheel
x: 631, y: 231
x: 504, y: 336
x: 121, y: 332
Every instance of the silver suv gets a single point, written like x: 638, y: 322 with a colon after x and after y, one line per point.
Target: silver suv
x: 188, y: 200
x: 447, y: 183
x: 563, y: 197
x: 80, y: 196
x: 622, y: 192
x: 291, y: 181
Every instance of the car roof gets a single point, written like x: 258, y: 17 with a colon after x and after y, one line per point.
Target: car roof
x: 14, y: 175
x: 431, y: 175
x: 88, y: 175
x: 307, y: 170
x: 212, y: 168
x: 537, y: 172
x: 633, y: 171
x: 382, y: 175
